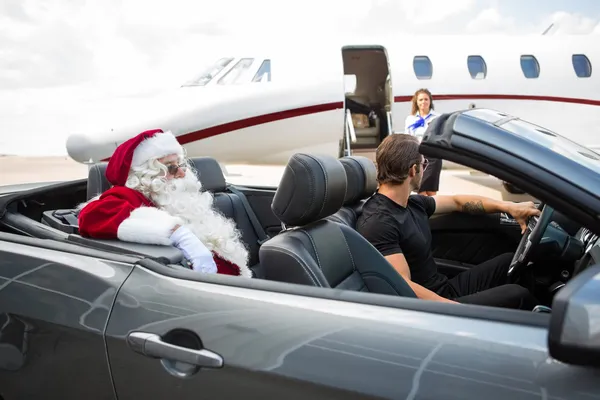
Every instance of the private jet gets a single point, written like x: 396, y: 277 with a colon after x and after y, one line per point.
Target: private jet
x: 342, y: 99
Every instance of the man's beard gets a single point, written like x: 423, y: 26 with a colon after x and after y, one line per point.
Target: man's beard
x: 183, y: 197
x: 415, y: 182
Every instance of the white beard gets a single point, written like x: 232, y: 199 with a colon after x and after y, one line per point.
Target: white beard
x: 183, y: 198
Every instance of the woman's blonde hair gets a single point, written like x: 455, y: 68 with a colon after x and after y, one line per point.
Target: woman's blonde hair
x: 415, y: 108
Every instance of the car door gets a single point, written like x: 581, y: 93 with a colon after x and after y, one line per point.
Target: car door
x: 54, y: 306
x: 461, y: 240
x: 178, y: 334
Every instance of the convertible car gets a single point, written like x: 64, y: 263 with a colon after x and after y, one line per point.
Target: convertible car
x: 326, y: 317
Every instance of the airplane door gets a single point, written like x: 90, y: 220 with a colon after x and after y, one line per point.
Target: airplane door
x: 389, y: 96
x: 369, y: 101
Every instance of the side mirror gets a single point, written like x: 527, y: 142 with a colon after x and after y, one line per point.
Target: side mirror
x: 574, y: 335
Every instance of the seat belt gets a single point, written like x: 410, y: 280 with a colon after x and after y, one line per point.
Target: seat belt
x: 260, y: 232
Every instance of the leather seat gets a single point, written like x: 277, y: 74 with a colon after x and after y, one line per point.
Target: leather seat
x: 229, y: 204
x: 318, y: 252
x: 97, y: 182
x: 66, y: 219
x: 361, y: 177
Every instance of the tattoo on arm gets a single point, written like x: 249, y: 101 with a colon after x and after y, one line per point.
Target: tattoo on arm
x: 473, y: 207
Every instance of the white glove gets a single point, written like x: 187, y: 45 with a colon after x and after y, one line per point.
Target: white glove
x: 194, y: 250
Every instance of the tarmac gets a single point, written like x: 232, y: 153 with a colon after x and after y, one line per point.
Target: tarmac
x: 454, y: 179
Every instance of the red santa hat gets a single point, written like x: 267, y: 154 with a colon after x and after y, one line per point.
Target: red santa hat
x: 134, y: 152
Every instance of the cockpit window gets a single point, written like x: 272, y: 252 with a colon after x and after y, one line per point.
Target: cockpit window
x: 237, y: 74
x: 264, y: 72
x: 209, y: 73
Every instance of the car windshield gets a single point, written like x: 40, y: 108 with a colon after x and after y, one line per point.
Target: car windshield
x: 542, y: 136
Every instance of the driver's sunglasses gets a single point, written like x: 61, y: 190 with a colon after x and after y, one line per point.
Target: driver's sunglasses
x: 173, y: 168
x: 425, y: 164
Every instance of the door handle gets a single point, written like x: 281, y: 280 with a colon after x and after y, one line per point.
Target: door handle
x: 152, y: 345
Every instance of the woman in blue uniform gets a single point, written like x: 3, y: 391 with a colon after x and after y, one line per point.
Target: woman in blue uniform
x: 416, y: 123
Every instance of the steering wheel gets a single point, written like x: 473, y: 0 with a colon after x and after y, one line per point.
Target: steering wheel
x: 536, y: 226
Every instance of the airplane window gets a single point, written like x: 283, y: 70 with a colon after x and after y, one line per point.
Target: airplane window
x: 582, y: 66
x: 530, y: 67
x: 264, y: 70
x: 477, y: 67
x: 208, y: 74
x: 422, y: 67
x: 238, y: 73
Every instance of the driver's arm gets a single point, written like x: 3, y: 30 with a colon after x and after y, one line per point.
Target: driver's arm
x: 399, y: 263
x: 471, y: 204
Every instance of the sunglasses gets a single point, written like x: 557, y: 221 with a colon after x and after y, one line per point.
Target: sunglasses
x: 425, y: 163
x: 173, y: 168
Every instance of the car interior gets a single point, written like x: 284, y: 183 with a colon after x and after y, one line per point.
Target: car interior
x: 303, y: 231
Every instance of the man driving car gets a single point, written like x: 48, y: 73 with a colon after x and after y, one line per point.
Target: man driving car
x: 396, y: 223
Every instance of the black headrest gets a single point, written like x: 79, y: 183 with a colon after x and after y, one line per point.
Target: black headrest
x: 210, y: 173
x: 312, y: 187
x: 361, y: 175
x: 97, y: 182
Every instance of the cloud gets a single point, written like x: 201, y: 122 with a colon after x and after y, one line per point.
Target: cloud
x: 430, y: 12
x: 410, y: 17
x: 123, y: 43
x: 491, y: 21
x: 40, y: 49
x: 68, y: 66
x: 576, y: 23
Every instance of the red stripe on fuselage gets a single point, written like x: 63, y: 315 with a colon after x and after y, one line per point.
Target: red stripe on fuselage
x: 253, y: 121
x: 298, y: 112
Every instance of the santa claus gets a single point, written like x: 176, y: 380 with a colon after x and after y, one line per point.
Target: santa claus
x: 157, y: 199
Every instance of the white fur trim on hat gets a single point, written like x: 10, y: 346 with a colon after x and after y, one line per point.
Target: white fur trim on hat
x: 158, y: 146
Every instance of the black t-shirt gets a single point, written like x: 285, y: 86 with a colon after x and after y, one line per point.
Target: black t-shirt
x: 393, y: 229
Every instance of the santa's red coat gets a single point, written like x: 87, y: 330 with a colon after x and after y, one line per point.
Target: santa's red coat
x: 126, y: 214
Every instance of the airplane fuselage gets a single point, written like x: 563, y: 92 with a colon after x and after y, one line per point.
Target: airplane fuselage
x: 260, y: 111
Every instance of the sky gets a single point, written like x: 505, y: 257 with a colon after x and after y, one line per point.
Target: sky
x: 63, y: 63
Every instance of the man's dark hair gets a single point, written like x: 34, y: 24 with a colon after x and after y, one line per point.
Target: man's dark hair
x: 394, y: 157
